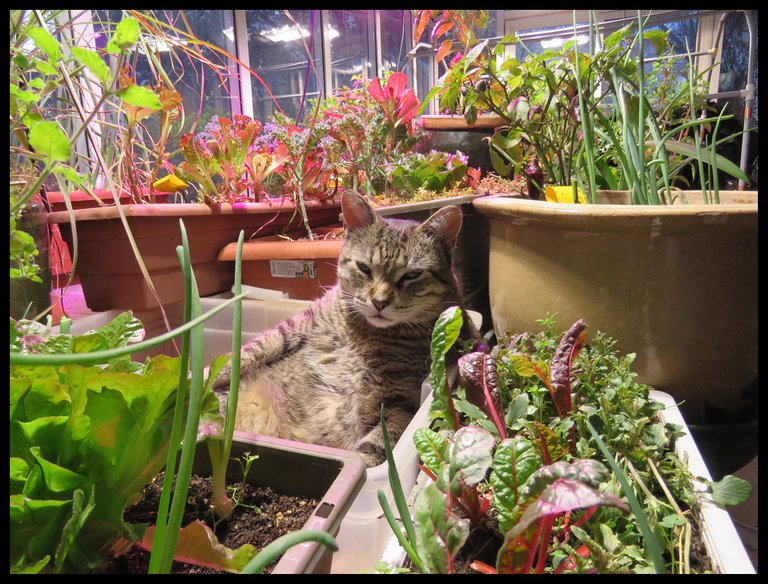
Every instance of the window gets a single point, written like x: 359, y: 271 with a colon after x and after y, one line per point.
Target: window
x: 279, y: 51
x: 735, y: 61
x: 351, y: 40
x: 206, y: 90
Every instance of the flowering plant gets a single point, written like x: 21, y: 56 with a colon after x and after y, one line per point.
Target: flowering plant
x: 225, y: 162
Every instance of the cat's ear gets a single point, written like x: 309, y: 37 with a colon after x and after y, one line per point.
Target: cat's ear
x: 356, y: 210
x: 444, y: 224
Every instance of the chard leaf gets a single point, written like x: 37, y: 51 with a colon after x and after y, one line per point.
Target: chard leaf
x: 470, y: 454
x: 524, y: 366
x: 514, y: 555
x: 431, y: 447
x: 198, y: 545
x: 588, y: 471
x: 440, y: 533
x: 560, y: 369
x: 514, y: 461
x: 478, y: 377
x: 548, y: 444
x: 444, y: 335
x: 559, y: 497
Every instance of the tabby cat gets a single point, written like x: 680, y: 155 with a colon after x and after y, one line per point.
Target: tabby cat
x: 322, y: 375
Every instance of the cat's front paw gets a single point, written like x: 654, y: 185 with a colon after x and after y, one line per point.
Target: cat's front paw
x: 372, y: 454
x: 221, y: 382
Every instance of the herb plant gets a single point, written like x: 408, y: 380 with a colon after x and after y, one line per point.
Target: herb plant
x: 549, y: 454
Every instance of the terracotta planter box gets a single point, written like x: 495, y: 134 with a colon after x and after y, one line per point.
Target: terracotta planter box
x: 303, y: 269
x: 677, y: 285
x: 720, y: 537
x: 110, y: 274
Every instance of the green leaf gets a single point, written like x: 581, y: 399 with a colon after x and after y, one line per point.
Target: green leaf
x: 588, y: 471
x: 730, y: 490
x: 470, y: 453
x: 690, y: 150
x: 514, y: 461
x: 82, y: 507
x: 439, y: 531
x: 22, y: 95
x: 57, y: 478
x: 46, y: 42
x: 93, y: 63
x: 126, y: 35
x: 50, y: 141
x: 517, y: 409
x: 140, y: 97
x: 431, y: 447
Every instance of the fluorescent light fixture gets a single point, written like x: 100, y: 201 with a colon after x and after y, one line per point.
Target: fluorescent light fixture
x: 161, y: 45
x: 289, y: 33
x: 558, y: 42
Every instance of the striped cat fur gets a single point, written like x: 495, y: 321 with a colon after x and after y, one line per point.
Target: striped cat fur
x: 323, y: 375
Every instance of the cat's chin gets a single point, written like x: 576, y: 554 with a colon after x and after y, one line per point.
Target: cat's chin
x: 380, y: 321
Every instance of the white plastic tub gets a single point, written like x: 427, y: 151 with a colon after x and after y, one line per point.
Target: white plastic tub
x: 718, y: 531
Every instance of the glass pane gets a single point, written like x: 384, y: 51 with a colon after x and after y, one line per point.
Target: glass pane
x: 277, y: 47
x: 555, y: 40
x: 734, y: 61
x: 352, y: 45
x: 205, y: 88
x: 395, y: 40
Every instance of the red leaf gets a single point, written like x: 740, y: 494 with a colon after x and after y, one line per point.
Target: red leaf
x: 477, y: 374
x: 424, y: 17
x: 445, y: 48
x: 396, y: 84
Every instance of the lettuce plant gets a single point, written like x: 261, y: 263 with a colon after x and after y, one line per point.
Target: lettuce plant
x: 548, y: 451
x: 84, y: 440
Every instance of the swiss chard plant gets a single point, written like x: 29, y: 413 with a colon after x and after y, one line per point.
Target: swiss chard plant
x: 548, y: 453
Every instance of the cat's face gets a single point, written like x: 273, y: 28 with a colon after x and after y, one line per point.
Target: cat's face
x: 394, y: 272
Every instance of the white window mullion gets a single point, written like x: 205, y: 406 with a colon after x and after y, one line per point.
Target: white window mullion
x: 243, y: 80
x: 325, y: 27
x: 377, y: 42
x: 83, y: 35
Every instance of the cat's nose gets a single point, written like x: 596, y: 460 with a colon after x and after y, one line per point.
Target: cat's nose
x: 380, y: 304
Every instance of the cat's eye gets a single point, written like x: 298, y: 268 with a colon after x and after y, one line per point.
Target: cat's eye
x: 363, y: 268
x: 412, y: 275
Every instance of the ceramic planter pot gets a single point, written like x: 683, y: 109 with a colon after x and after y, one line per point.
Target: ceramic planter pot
x: 303, y: 269
x: 721, y: 539
x: 450, y: 133
x: 108, y: 270
x: 677, y: 285
x: 295, y: 468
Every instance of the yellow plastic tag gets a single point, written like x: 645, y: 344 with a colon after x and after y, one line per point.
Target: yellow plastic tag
x: 170, y: 184
x: 563, y: 195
